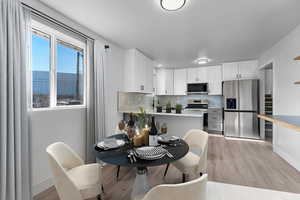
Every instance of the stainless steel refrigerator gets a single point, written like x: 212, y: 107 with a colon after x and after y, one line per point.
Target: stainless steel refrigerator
x: 241, y: 105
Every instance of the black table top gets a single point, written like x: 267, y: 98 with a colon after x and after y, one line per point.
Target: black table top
x: 119, y: 156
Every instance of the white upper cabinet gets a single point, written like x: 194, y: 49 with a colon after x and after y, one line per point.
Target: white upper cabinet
x: 214, y: 76
x: 240, y: 70
x: 180, y: 76
x: 165, y: 82
x: 192, y: 75
x: 149, y: 87
x: 138, y: 72
x: 248, y: 69
x: 230, y: 71
x: 197, y: 75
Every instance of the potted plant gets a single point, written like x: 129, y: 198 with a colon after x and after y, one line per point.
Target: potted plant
x: 178, y: 108
x: 168, y: 108
x: 159, y: 109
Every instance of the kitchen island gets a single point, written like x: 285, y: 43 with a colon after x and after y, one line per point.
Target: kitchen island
x: 178, y: 124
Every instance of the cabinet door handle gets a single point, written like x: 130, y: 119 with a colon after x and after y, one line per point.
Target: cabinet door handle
x: 142, y: 87
x: 166, y: 91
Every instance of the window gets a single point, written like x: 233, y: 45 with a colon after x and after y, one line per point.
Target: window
x: 40, y: 69
x: 58, y: 68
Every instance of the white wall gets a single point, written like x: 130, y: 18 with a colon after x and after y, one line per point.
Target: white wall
x: 113, y: 84
x: 69, y: 125
x: 49, y: 126
x: 286, y: 94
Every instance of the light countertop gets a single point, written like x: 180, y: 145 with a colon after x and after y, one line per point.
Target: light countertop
x: 183, y: 114
x: 288, y: 121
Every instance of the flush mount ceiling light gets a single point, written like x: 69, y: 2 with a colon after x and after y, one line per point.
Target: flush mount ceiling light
x: 202, y: 61
x: 172, y: 5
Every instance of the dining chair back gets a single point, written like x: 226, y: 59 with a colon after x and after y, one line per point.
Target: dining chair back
x: 61, y: 158
x: 198, y: 139
x: 193, y: 190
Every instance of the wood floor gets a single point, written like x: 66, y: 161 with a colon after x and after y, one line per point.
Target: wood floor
x: 240, y: 162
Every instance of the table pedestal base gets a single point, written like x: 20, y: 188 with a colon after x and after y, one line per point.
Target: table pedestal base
x: 141, y: 185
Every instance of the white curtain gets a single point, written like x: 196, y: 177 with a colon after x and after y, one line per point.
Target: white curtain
x: 95, y: 97
x: 14, y: 135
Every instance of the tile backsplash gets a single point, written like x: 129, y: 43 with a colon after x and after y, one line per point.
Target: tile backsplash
x: 129, y: 101
x: 133, y: 101
x: 214, y: 101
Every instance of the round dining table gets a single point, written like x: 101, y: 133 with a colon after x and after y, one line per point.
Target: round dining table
x: 119, y: 157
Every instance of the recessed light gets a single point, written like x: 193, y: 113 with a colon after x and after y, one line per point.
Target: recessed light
x: 172, y: 5
x: 159, y: 65
x: 201, y: 61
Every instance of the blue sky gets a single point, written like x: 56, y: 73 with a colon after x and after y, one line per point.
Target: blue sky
x: 66, y: 59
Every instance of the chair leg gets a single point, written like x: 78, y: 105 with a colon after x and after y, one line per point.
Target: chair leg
x: 102, y: 188
x: 183, y: 177
x: 118, y: 172
x: 166, y: 170
x: 99, y: 197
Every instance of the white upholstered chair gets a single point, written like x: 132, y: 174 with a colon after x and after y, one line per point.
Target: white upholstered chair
x: 193, y: 163
x: 73, y: 179
x: 193, y: 190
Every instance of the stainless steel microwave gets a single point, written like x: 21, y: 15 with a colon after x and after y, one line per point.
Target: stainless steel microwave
x: 197, y: 88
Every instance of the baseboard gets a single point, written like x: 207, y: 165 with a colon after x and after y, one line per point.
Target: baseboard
x: 36, y: 189
x: 288, y: 158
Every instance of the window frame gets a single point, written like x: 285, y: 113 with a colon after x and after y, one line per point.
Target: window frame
x: 56, y: 35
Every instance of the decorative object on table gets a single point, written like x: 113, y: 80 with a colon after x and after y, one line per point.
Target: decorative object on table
x: 153, y: 134
x: 178, y: 108
x: 138, y: 140
x: 168, y: 108
x: 145, y: 133
x: 110, y: 143
x: 121, y: 125
x: 164, y: 128
x: 131, y: 130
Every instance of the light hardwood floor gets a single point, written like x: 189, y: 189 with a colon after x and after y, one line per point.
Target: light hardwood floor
x: 240, y: 162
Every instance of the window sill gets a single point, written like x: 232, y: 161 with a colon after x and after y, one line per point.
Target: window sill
x: 79, y: 107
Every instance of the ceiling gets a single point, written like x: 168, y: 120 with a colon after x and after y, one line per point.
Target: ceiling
x: 222, y: 30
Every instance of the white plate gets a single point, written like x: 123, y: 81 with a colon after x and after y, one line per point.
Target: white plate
x: 167, y: 138
x: 106, y: 144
